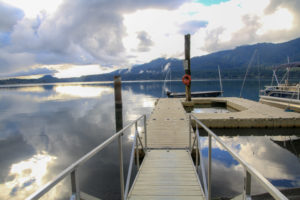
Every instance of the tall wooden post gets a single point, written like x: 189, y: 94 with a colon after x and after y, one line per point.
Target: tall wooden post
x: 118, y: 103
x: 187, y: 64
x: 119, y: 126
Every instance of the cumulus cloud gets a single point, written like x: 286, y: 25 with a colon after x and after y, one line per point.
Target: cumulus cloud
x: 77, y: 33
x: 122, y: 33
x: 215, y: 40
x: 278, y: 21
x: 9, y: 17
x: 145, y: 41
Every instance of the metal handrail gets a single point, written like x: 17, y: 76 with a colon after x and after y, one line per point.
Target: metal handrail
x: 250, y: 171
x: 72, y: 169
x: 135, y: 144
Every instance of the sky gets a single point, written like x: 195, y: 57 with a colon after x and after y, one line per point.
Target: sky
x: 70, y: 38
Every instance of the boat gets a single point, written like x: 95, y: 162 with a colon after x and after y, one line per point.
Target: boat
x: 283, y: 95
x: 292, y: 144
x: 194, y: 94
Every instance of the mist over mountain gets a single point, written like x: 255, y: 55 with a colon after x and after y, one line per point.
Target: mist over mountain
x: 233, y: 64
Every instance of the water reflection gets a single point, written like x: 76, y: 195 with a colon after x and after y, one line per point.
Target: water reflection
x: 26, y: 176
x: 57, y: 124
x: 82, y: 91
x: 276, y: 164
x: 53, y: 127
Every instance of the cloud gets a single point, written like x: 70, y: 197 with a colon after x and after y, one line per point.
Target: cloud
x: 122, y: 33
x: 77, y: 33
x: 275, y: 21
x: 145, y: 41
x: 33, y: 71
x: 9, y: 16
x: 192, y: 26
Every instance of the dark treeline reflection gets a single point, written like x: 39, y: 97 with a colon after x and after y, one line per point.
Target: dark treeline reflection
x: 44, y: 128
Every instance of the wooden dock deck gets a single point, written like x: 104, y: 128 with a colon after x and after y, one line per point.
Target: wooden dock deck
x: 168, y: 125
x: 167, y: 171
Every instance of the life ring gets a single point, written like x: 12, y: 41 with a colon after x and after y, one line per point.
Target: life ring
x: 186, y: 79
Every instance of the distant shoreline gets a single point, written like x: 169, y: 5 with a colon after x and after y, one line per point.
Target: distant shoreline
x: 111, y: 82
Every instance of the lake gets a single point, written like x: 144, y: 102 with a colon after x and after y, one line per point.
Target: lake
x: 44, y: 128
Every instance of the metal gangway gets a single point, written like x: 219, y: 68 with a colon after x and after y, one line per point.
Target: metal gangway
x: 194, y: 144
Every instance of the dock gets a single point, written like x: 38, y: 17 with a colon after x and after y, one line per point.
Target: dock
x: 167, y: 171
x: 246, y: 114
x: 168, y: 125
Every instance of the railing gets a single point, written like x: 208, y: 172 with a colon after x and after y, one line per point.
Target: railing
x: 72, y: 170
x: 249, y: 170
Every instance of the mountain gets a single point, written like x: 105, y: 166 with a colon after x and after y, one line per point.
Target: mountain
x: 233, y: 64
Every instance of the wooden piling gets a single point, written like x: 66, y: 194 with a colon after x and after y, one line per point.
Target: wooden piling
x: 119, y: 126
x: 187, y: 64
x: 118, y: 103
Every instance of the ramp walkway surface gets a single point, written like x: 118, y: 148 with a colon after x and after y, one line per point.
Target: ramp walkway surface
x: 168, y: 175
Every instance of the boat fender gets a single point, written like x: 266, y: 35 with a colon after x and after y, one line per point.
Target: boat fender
x: 186, y: 79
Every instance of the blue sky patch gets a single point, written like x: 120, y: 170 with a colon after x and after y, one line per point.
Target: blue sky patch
x: 4, y: 38
x: 283, y: 183
x: 192, y: 26
x: 210, y: 2
x: 220, y: 155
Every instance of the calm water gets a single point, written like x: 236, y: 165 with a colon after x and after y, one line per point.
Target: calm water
x: 44, y: 128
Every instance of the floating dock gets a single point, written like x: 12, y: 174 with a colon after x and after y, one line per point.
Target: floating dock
x: 279, y: 103
x: 244, y: 114
x: 168, y: 125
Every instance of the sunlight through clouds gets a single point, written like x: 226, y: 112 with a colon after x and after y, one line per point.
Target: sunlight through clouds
x: 282, y: 19
x: 82, y: 91
x: 79, y: 70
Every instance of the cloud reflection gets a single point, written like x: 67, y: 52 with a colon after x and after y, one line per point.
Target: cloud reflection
x: 26, y: 176
x: 82, y: 91
x: 278, y: 165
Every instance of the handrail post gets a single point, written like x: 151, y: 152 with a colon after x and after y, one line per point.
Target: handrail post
x: 75, y: 185
x: 190, y: 133
x: 121, y: 166
x: 145, y: 132
x: 209, y: 167
x: 247, y: 186
x: 137, y: 147
x: 197, y: 149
